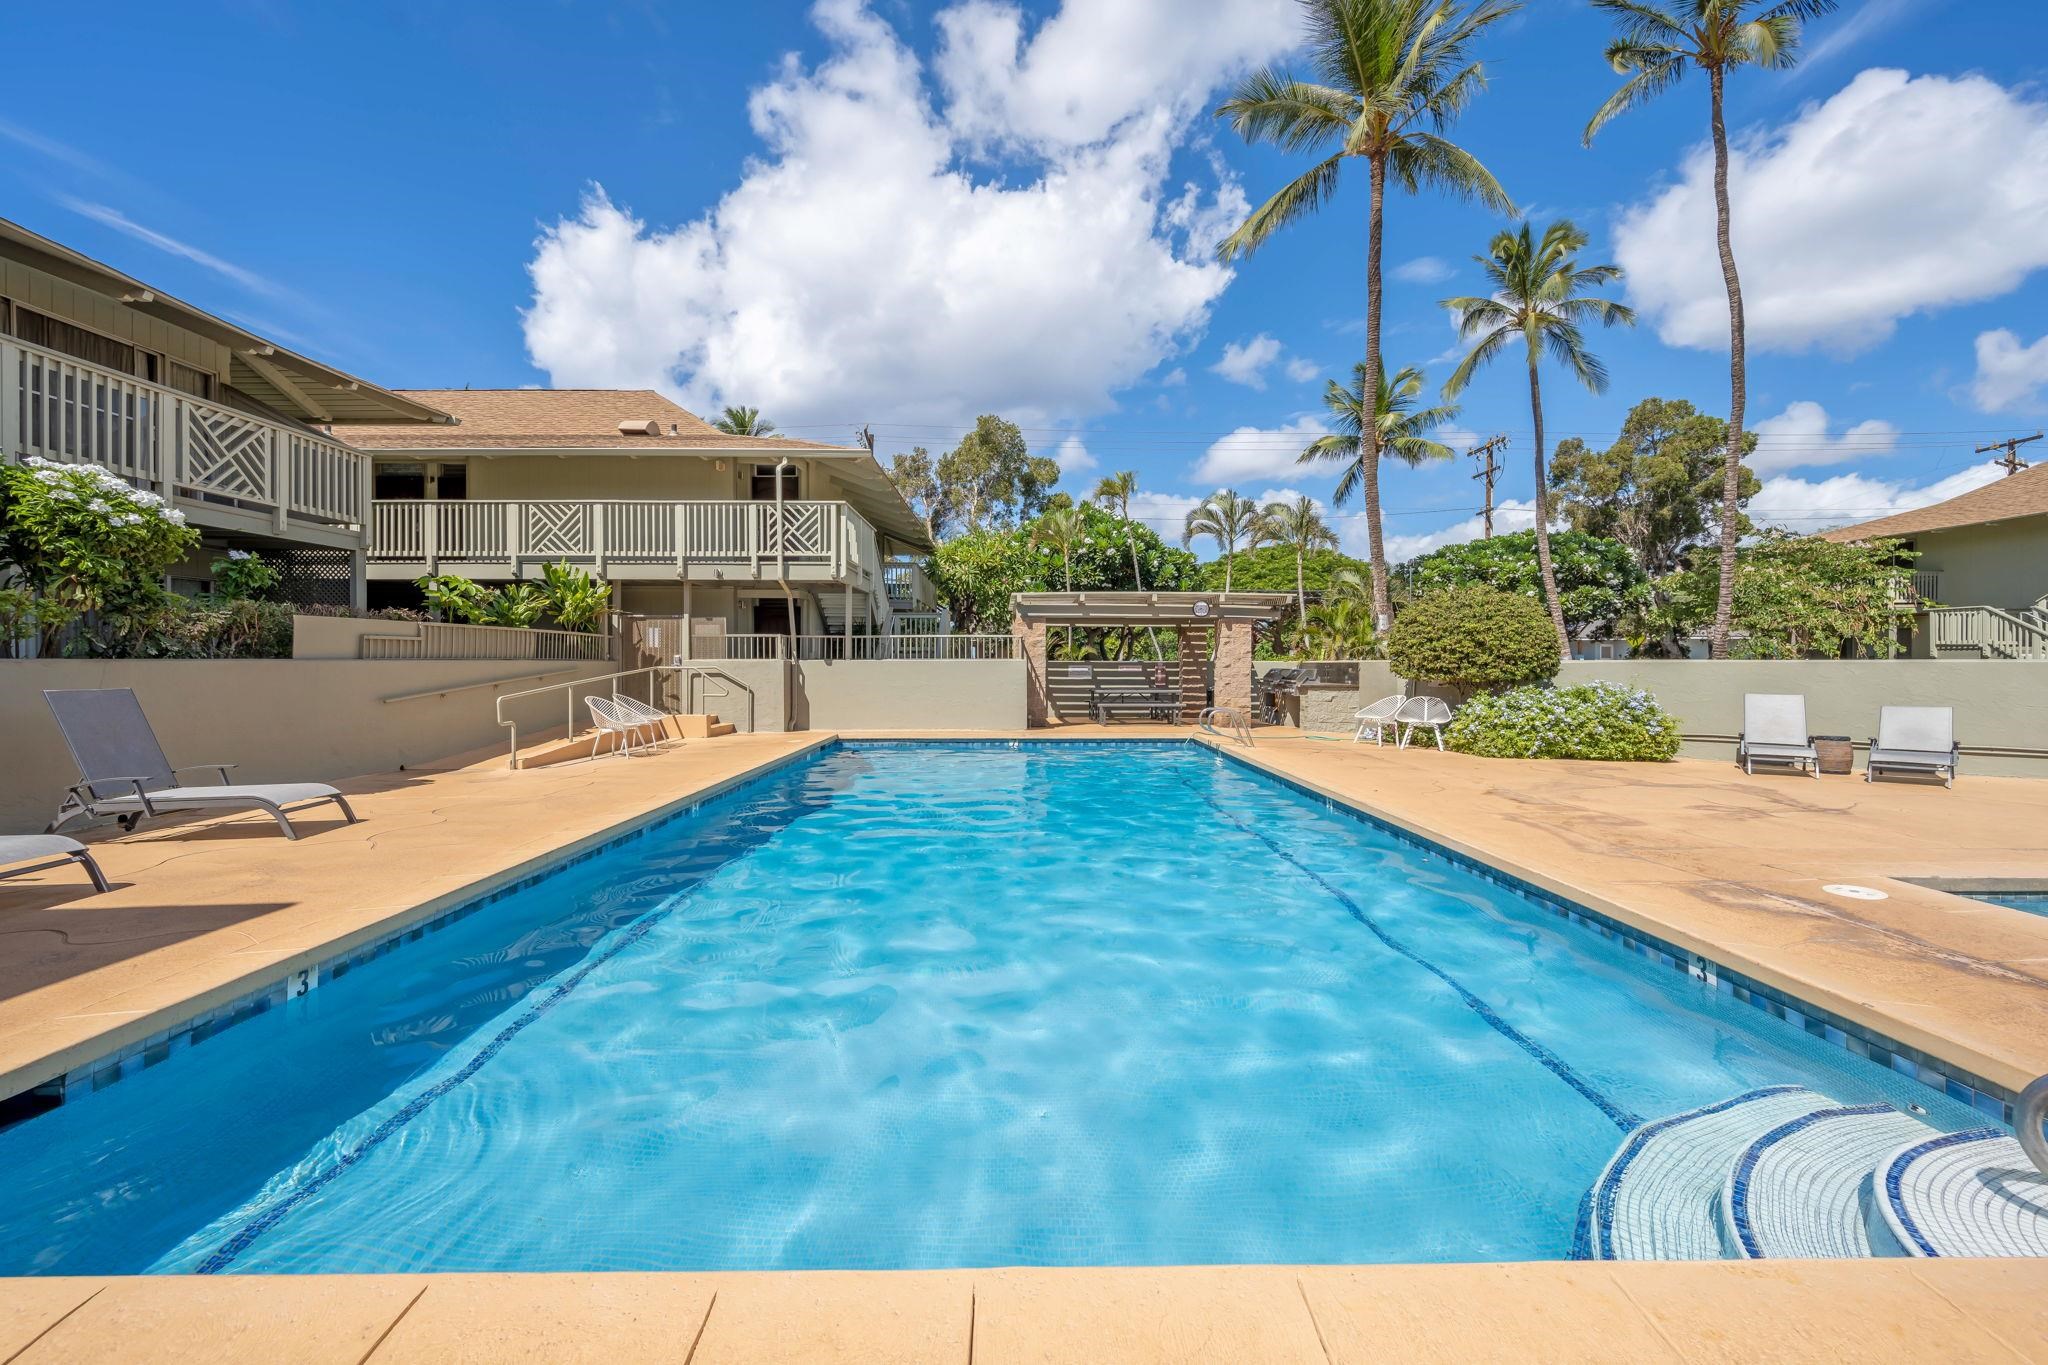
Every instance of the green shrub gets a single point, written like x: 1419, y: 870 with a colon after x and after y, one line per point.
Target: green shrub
x: 1603, y: 720
x: 243, y: 577
x: 163, y: 625
x: 1474, y: 637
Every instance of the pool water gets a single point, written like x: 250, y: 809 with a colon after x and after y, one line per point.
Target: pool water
x: 2033, y: 902
x: 922, y: 1006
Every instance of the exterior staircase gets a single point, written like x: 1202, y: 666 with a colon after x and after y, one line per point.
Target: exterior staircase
x: 1989, y: 632
x: 1786, y: 1172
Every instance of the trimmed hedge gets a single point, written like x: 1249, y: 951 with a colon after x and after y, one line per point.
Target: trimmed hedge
x: 1474, y: 637
x: 1602, y: 720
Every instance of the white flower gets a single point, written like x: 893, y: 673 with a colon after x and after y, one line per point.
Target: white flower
x: 240, y: 554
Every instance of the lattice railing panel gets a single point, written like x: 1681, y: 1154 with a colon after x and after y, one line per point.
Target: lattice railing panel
x: 225, y: 453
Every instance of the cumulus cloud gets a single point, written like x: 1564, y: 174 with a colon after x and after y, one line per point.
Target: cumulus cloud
x: 1509, y: 515
x: 1073, y: 456
x: 1261, y: 452
x: 1302, y: 370
x: 1174, y: 378
x: 1246, y: 362
x: 2010, y: 375
x: 1165, y: 513
x: 859, y: 266
x: 1803, y: 505
x: 1424, y: 270
x: 1798, y: 438
x: 1897, y: 195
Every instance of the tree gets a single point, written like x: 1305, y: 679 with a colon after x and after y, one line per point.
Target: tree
x: 744, y: 422
x: 992, y: 479
x: 1795, y: 596
x: 1538, y: 298
x: 1270, y: 568
x: 79, y: 539
x: 1340, y: 628
x: 1653, y: 46
x: 1227, y: 519
x: 1473, y: 637
x: 1390, y: 78
x: 1116, y: 491
x: 1299, y: 526
x: 916, y: 478
x: 1598, y: 579
x: 975, y: 572
x: 1399, y: 429
x: 1657, y: 489
x: 1063, y: 529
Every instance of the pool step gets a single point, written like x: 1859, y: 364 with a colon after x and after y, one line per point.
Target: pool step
x: 1804, y: 1188
x: 1964, y: 1194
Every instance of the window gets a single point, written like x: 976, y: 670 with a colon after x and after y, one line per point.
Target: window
x: 762, y: 487
x: 393, y: 480
x: 451, y: 482
x: 54, y: 334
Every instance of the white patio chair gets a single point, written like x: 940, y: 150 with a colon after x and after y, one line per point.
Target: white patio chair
x: 629, y: 731
x: 653, y: 717
x: 1915, y: 739
x: 1774, y: 731
x: 1422, y: 713
x: 1375, y: 719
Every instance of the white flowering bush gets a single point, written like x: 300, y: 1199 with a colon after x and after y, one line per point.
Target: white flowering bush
x: 1602, y: 720
x: 239, y: 576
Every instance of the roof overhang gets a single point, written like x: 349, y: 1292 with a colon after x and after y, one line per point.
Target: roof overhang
x: 272, y: 374
x: 1148, y: 608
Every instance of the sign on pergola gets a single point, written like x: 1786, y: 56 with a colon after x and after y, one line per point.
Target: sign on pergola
x: 1195, y: 618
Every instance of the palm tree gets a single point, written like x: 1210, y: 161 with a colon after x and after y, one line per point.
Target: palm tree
x: 1229, y: 520
x: 1115, y: 491
x: 1391, y: 76
x: 1299, y: 525
x: 744, y: 422
x: 1062, y: 529
x: 1400, y: 430
x: 1653, y: 45
x: 1537, y: 298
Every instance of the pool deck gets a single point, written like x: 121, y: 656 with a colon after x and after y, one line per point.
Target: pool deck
x: 202, y: 911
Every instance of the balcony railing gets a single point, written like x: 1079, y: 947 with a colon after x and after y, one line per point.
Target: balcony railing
x: 515, y: 533
x: 448, y: 641
x: 1921, y: 585
x: 909, y: 587
x: 195, y: 453
x: 817, y: 647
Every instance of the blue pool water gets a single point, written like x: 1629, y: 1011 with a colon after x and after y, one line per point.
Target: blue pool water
x: 911, y: 1006
x: 2033, y: 902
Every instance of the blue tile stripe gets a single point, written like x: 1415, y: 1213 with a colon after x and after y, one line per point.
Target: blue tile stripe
x: 1556, y: 1065
x: 1895, y: 1174
x: 1745, y: 1166
x: 1600, y: 1216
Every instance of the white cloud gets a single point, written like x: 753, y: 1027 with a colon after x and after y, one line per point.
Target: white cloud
x: 121, y: 222
x: 1261, y: 452
x: 1798, y: 438
x: 1074, y: 457
x: 2010, y: 375
x: 1246, y: 362
x: 1510, y: 515
x: 858, y: 268
x: 1165, y: 513
x: 1803, y: 505
x: 1175, y: 377
x: 1898, y: 195
x: 1302, y: 370
x: 1424, y: 270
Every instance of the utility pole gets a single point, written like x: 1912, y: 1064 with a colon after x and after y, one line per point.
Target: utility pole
x: 1489, y: 468
x: 866, y: 436
x: 2011, y: 446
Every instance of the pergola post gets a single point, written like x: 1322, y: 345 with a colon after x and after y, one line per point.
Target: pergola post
x: 1030, y: 637
x: 1233, y: 678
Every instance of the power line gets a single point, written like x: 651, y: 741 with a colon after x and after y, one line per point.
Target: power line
x: 1489, y: 469
x: 2011, y: 446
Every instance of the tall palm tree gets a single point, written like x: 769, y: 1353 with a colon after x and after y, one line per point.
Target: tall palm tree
x: 1390, y: 77
x: 1399, y: 429
x: 1115, y: 491
x: 1538, y: 299
x: 1230, y: 521
x: 1653, y: 45
x: 1298, y: 525
x: 744, y: 422
x: 1062, y: 529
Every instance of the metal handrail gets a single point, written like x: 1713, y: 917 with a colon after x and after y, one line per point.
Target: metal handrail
x: 568, y: 691
x: 713, y: 674
x: 2027, y: 1117
x: 1232, y: 718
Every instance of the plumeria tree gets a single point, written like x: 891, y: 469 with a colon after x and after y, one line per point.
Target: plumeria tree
x: 80, y: 540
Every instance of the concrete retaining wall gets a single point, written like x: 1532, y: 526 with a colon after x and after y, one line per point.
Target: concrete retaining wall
x: 906, y: 694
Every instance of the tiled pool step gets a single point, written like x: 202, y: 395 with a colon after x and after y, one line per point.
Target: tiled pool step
x: 1964, y: 1194
x: 1802, y: 1190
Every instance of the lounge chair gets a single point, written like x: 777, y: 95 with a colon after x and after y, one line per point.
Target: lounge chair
x: 1376, y: 718
x: 123, y: 771
x: 54, y: 849
x: 1774, y: 731
x: 1422, y: 713
x: 1915, y: 739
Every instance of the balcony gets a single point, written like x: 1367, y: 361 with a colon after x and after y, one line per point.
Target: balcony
x: 1910, y: 591
x: 816, y: 542
x: 910, y: 590
x: 224, y: 468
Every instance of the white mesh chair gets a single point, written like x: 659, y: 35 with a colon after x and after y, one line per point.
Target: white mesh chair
x: 1375, y: 719
x: 1422, y: 713
x: 653, y: 717
x: 1774, y: 731
x: 629, y: 731
x: 123, y: 771
x: 1915, y: 739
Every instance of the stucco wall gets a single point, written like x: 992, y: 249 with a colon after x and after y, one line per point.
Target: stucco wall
x: 905, y: 694
x: 280, y: 720
x: 2002, y: 565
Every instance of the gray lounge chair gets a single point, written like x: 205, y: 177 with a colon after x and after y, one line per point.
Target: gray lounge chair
x: 123, y: 771
x: 54, y: 849
x: 1774, y: 731
x: 1915, y: 739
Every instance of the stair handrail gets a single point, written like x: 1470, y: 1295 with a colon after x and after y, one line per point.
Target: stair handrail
x: 713, y: 674
x: 2028, y: 1114
x: 568, y: 691
x: 1231, y: 718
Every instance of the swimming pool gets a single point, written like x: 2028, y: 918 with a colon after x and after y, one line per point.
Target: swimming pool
x: 926, y: 1005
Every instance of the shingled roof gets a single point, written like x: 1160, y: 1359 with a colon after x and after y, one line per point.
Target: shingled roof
x: 564, y: 419
x: 2024, y: 494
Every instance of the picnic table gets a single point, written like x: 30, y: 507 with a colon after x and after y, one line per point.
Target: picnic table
x: 1144, y: 703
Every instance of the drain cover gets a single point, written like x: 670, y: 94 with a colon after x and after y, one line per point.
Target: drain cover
x: 1855, y: 893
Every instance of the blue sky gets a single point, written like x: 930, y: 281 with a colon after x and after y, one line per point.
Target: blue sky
x: 905, y: 214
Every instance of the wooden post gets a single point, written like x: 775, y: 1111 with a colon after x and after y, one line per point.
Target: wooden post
x: 280, y: 481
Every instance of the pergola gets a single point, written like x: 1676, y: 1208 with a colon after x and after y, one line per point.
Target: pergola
x: 1193, y: 617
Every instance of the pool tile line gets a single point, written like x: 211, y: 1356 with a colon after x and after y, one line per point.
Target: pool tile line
x: 1746, y: 1164
x: 1987, y: 1097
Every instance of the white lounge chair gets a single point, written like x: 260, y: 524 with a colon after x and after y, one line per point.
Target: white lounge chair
x: 1774, y: 731
x: 1915, y: 739
x: 1375, y: 719
x: 55, y: 850
x: 632, y: 731
x: 1423, y: 713
x: 124, y: 773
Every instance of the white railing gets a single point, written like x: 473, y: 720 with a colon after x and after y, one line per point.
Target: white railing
x: 743, y: 646
x: 921, y: 623
x: 1912, y: 588
x: 446, y: 641
x: 535, y: 531
x: 910, y: 588
x: 184, y: 448
x: 1989, y: 632
x: 902, y: 647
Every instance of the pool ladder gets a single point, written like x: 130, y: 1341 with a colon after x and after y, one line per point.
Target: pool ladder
x: 1232, y: 720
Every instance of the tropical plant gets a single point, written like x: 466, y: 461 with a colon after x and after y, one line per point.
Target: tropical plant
x: 1115, y: 491
x: 157, y: 624
x: 454, y: 598
x: 1795, y: 597
x: 240, y: 576
x: 1062, y: 530
x: 572, y: 597
x: 744, y: 422
x: 1227, y: 519
x: 1538, y: 299
x: 1270, y: 568
x: 1657, y: 489
x: 1598, y: 579
x: 1654, y: 44
x: 1398, y: 428
x: 1389, y: 78
x: 1472, y: 638
x: 515, y: 604
x: 1339, y: 628
x: 1298, y: 526
x: 1603, y: 721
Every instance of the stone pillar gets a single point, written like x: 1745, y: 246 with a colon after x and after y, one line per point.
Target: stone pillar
x: 1030, y: 638
x: 1233, y: 680
x: 359, y: 579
